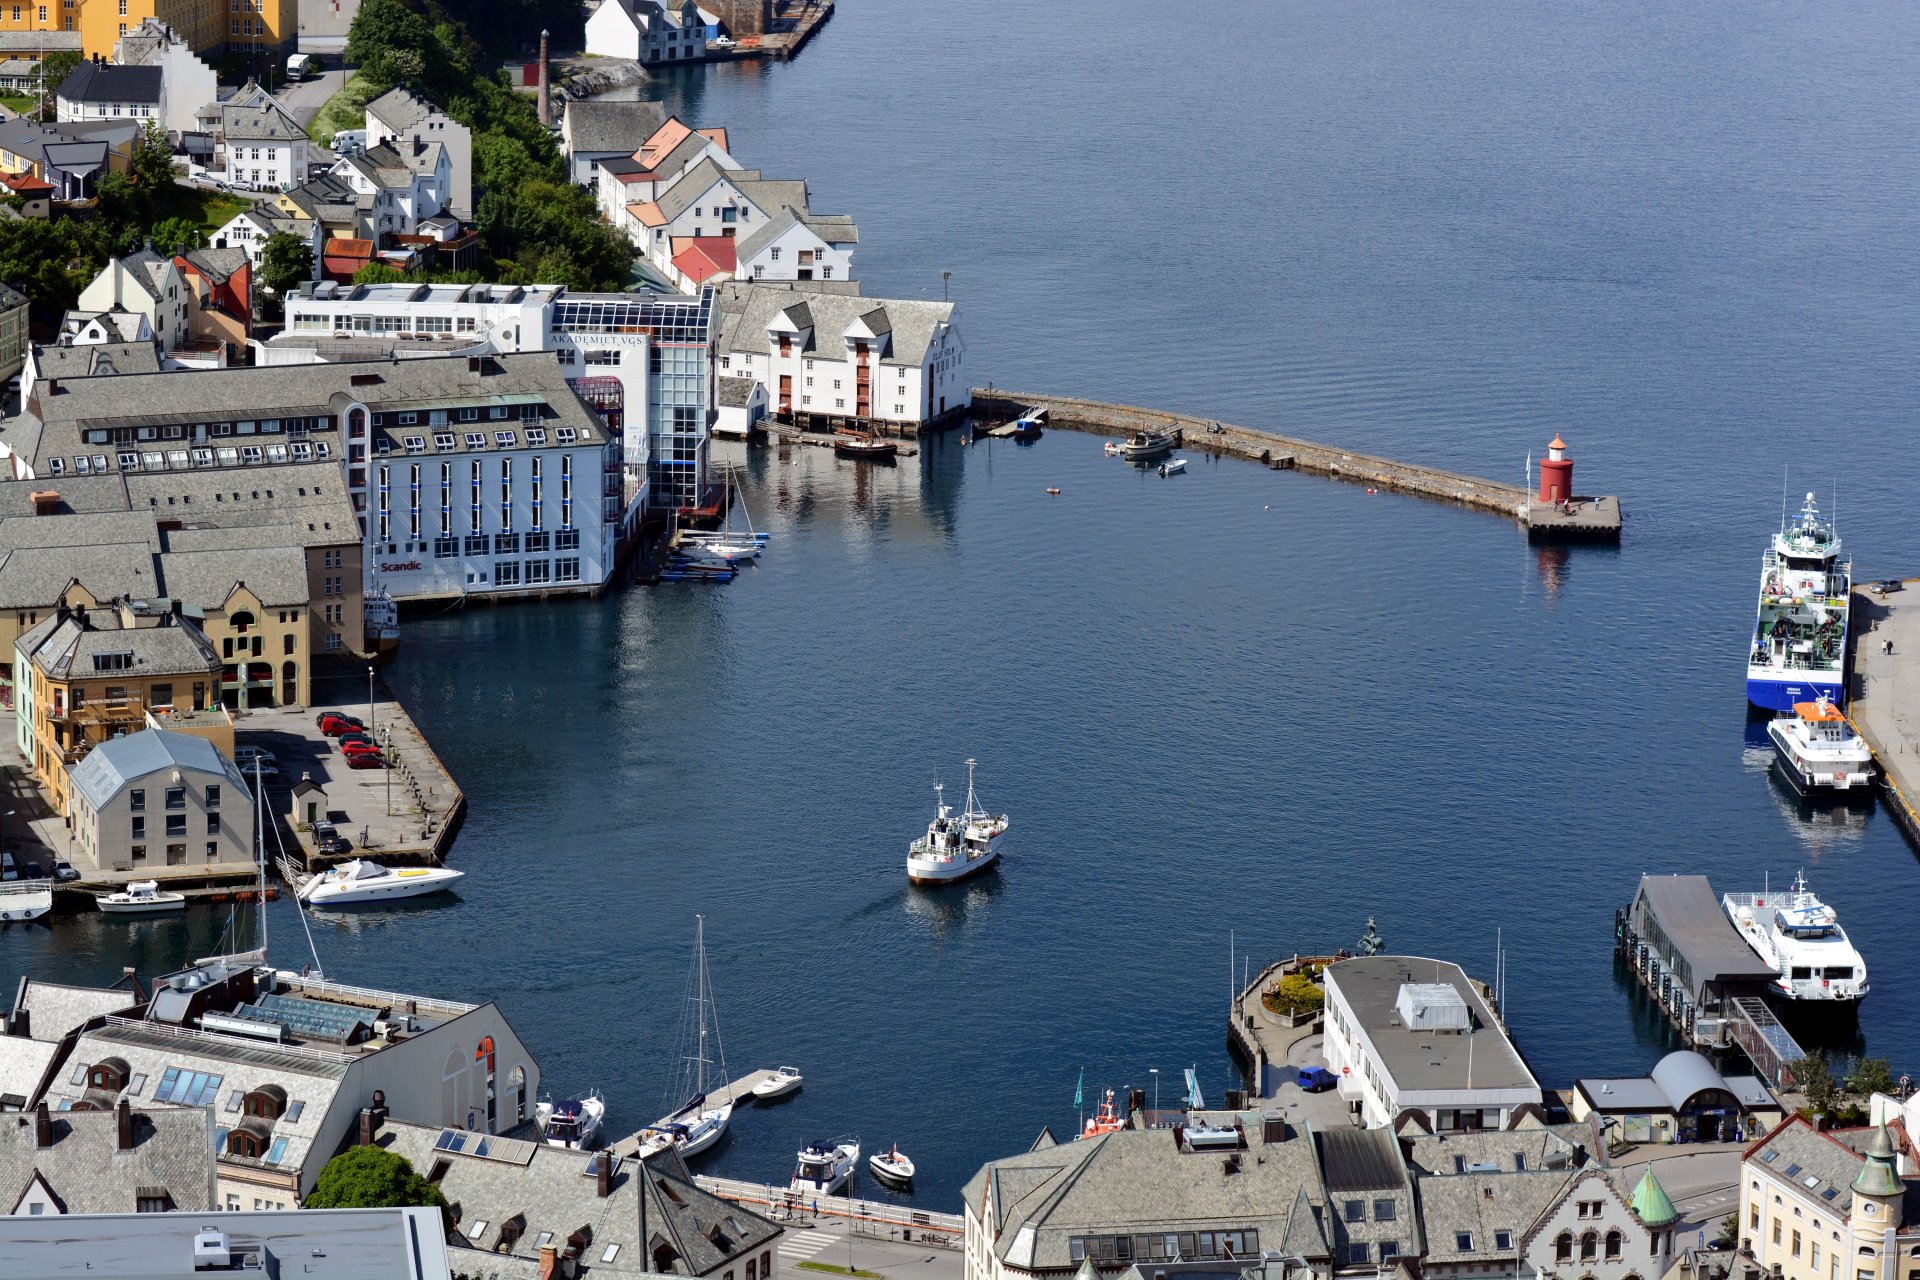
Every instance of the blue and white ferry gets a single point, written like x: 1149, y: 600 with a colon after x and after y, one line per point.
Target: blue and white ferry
x: 1798, y: 649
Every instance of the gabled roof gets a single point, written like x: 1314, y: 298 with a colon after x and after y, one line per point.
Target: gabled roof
x: 106, y: 82
x: 748, y: 309
x: 65, y: 646
x: 701, y: 258
x: 55, y: 1008
x: 119, y: 763
x: 691, y: 186
x: 98, y: 359
x: 259, y: 124
x: 396, y: 108
x: 37, y: 577
x: 592, y: 125
x: 86, y: 1171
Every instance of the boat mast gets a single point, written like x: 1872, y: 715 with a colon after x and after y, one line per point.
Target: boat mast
x: 973, y: 806
x: 260, y: 852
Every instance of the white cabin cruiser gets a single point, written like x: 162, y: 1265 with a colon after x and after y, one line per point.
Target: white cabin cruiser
x: 825, y: 1168
x: 956, y: 847
x: 23, y: 900
x: 573, y: 1123
x: 360, y: 881
x: 1818, y: 749
x: 1800, y: 937
x: 142, y: 897
x: 782, y: 1082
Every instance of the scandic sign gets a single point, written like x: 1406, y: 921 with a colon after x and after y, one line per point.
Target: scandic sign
x: 406, y: 566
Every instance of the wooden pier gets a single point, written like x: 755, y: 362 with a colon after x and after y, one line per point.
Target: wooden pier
x: 1883, y: 703
x: 741, y: 1091
x: 1582, y: 519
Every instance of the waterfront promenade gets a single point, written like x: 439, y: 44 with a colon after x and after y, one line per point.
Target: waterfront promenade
x: 1883, y: 701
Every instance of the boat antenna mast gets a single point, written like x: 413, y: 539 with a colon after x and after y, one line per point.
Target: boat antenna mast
x: 260, y: 852
x: 1784, y: 477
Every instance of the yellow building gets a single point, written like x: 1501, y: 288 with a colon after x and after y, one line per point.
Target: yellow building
x: 1827, y: 1206
x: 209, y: 26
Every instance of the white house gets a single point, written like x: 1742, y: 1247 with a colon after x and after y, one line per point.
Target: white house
x: 407, y: 181
x: 103, y: 91
x: 186, y: 80
x: 828, y: 356
x: 146, y: 283
x: 710, y: 199
x: 1406, y: 1033
x: 400, y: 118
x: 595, y: 129
x: 623, y: 183
x: 251, y: 228
x: 265, y: 150
x: 794, y: 245
x: 741, y: 406
x: 648, y: 32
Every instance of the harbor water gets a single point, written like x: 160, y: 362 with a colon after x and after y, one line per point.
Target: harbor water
x: 1232, y: 701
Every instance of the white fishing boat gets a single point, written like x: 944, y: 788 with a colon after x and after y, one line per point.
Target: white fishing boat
x: 782, y: 1082
x: 1818, y: 749
x: 1144, y: 445
x: 825, y: 1168
x: 1798, y: 648
x: 573, y: 1123
x: 1799, y: 937
x: 142, y: 897
x: 359, y: 881
x: 956, y: 846
x: 381, y: 618
x: 891, y: 1165
x: 23, y: 900
x: 701, y: 1121
x: 1173, y: 466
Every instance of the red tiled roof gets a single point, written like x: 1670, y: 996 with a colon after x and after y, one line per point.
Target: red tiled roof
x: 701, y: 258
x: 25, y: 183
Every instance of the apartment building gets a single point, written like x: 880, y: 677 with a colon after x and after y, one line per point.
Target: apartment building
x: 1830, y: 1206
x: 208, y: 26
x: 158, y: 802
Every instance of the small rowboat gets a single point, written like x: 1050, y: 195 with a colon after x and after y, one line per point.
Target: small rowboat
x: 891, y: 1165
x: 1173, y: 466
x: 782, y: 1082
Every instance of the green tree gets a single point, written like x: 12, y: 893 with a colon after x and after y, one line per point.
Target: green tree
x: 378, y: 273
x: 372, y: 1178
x: 1816, y: 1082
x: 54, y: 68
x: 286, y: 263
x: 177, y: 235
x: 1870, y: 1076
x: 153, y: 162
x: 1729, y: 1236
x: 45, y: 261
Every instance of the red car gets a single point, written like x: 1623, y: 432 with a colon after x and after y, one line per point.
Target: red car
x: 351, y: 748
x: 333, y: 724
x: 366, y: 760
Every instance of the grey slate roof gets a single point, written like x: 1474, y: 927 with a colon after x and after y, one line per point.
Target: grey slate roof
x: 734, y: 393
x: 1563, y: 1147
x: 832, y: 228
x: 34, y: 43
x: 118, y: 763
x: 55, y: 1008
x: 396, y: 108
x: 24, y: 138
x: 23, y: 1063
x: 1826, y: 1157
x: 87, y: 1174
x: 1477, y: 1205
x: 218, y: 264
x: 249, y: 124
x: 106, y: 82
x: 65, y: 649
x: 98, y: 359
x: 276, y: 574
x: 594, y: 126
x: 553, y: 1191
x: 92, y: 530
x: 693, y: 185
x: 747, y: 308
x: 37, y: 577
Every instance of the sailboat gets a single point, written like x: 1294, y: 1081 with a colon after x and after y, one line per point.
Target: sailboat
x: 701, y: 1121
x: 726, y: 543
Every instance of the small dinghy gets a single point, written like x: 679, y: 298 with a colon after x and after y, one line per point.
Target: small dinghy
x: 1173, y: 466
x: 892, y: 1165
x: 782, y: 1082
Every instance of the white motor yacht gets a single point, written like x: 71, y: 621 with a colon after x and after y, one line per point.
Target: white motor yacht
x: 1799, y: 937
x: 825, y: 1168
x: 782, y: 1082
x: 22, y: 900
x: 360, y: 881
x: 142, y: 897
x: 891, y: 1165
x: 1818, y: 749
x: 956, y: 847
x: 573, y: 1123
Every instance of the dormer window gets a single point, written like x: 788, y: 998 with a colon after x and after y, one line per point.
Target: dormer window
x: 108, y: 1074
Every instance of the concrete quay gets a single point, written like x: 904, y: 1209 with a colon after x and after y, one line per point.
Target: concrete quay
x: 1883, y: 694
x: 1585, y: 519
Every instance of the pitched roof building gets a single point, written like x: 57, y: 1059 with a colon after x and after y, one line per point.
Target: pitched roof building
x: 115, y: 1160
x: 316, y: 1244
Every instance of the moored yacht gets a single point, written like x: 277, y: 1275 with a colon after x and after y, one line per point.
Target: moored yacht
x: 359, y: 881
x: 1800, y: 937
x: 23, y: 900
x: 1818, y: 749
x: 701, y: 1121
x: 956, y: 846
x: 1799, y: 644
x: 825, y: 1168
x: 1142, y: 445
x: 1106, y: 1119
x: 142, y: 897
x: 573, y: 1123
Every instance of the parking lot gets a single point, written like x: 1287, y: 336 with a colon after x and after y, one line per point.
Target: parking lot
x: 390, y: 814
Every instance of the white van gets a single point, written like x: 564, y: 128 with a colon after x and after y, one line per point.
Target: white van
x: 300, y: 66
x: 350, y: 142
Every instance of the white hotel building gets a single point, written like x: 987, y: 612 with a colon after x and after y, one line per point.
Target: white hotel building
x: 653, y: 349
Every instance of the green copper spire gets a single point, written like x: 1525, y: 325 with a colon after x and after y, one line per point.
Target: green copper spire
x: 1877, y: 1177
x: 1650, y: 1202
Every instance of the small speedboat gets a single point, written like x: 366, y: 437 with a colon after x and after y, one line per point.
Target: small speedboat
x: 782, y: 1082
x: 360, y: 881
x: 142, y: 897
x: 1115, y: 448
x: 1028, y: 425
x: 573, y: 1123
x: 23, y: 900
x: 1142, y: 445
x: 1173, y: 466
x: 825, y: 1168
x: 892, y: 1165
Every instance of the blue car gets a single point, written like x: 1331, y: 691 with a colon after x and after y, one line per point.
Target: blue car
x: 1315, y: 1079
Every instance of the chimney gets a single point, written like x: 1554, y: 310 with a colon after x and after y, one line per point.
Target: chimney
x: 123, y: 1126
x: 546, y: 82
x: 46, y: 502
x: 369, y: 1125
x: 22, y: 1024
x: 548, y: 1257
x: 603, y: 1175
x: 1273, y: 1127
x: 42, y: 1127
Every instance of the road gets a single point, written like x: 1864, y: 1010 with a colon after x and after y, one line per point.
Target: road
x: 304, y: 100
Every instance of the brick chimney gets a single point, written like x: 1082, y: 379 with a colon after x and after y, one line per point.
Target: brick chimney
x: 548, y: 1256
x: 123, y: 1126
x: 546, y: 82
x: 369, y: 1125
x: 603, y: 1174
x: 42, y: 1127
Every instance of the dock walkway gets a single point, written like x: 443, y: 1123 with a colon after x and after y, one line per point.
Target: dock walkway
x: 1882, y: 702
x: 1587, y: 519
x: 741, y: 1091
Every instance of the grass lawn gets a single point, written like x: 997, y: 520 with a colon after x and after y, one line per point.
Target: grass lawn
x: 832, y: 1270
x: 18, y: 103
x: 210, y: 209
x: 346, y: 109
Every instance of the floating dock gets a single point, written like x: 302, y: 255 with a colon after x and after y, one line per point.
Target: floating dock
x: 1708, y: 982
x: 1883, y: 706
x: 741, y: 1091
x: 1579, y: 519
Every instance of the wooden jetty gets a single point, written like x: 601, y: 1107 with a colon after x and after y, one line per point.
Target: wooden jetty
x: 1884, y: 706
x: 741, y: 1091
x: 1579, y: 519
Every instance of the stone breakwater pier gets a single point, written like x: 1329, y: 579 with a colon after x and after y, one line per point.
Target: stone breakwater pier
x: 1579, y: 518
x: 1883, y: 695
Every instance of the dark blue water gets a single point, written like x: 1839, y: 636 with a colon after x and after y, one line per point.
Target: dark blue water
x: 1234, y: 701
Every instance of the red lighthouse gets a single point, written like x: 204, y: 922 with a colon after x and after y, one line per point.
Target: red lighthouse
x: 1556, y: 473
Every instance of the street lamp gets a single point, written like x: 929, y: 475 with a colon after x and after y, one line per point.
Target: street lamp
x: 1155, y: 1071
x: 372, y: 724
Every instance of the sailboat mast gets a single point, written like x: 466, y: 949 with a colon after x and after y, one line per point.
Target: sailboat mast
x: 260, y: 853
x: 700, y: 995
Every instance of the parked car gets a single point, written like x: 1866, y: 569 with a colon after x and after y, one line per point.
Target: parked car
x: 1315, y: 1079
x: 253, y: 760
x: 327, y: 838
x: 333, y: 724
x: 63, y: 871
x: 359, y: 747
x: 364, y: 739
x: 366, y: 760
x: 721, y: 42
x: 1885, y: 585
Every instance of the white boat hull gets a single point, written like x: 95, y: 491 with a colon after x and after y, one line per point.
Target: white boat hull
x: 1812, y: 769
x: 824, y: 1179
x: 404, y: 882
x: 777, y: 1087
x: 24, y: 900
x: 159, y: 904
x: 933, y: 871
x: 892, y: 1170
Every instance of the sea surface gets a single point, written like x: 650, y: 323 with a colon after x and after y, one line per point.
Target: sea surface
x: 1234, y: 713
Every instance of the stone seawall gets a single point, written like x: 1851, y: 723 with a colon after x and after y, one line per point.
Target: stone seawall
x: 1074, y: 414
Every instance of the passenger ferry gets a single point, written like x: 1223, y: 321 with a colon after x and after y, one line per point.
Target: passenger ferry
x: 1818, y: 750
x: 1799, y: 644
x: 1799, y: 936
x: 955, y: 847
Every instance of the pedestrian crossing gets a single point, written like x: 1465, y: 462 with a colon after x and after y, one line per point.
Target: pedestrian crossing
x: 801, y: 1245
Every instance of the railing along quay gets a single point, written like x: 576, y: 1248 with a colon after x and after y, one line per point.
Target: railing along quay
x: 863, y: 1217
